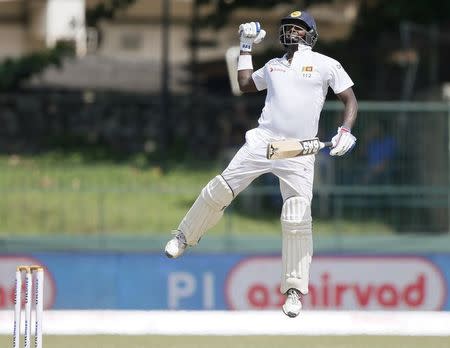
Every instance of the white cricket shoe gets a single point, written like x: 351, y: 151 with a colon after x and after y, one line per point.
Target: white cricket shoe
x: 292, y: 305
x: 176, y: 246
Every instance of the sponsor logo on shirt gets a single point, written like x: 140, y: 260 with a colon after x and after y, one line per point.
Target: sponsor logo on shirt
x: 272, y: 69
x: 307, y: 68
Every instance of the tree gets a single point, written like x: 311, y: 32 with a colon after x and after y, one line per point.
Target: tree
x: 14, y: 72
x: 105, y: 10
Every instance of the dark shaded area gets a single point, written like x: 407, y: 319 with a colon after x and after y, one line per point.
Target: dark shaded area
x: 119, y: 124
x: 397, y: 50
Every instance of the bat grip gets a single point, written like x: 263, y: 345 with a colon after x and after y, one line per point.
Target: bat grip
x: 327, y: 144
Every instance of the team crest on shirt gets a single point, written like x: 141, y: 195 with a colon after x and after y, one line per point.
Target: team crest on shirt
x: 307, y: 71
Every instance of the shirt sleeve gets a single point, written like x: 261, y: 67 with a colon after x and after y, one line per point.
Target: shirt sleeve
x: 339, y: 80
x: 259, y: 79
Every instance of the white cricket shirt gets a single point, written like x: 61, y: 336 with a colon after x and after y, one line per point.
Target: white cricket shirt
x: 296, y: 92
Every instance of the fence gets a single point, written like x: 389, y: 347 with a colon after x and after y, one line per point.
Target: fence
x: 397, y: 179
x: 399, y: 172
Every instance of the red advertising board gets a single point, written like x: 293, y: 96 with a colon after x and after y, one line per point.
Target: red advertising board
x: 8, y: 266
x: 350, y: 282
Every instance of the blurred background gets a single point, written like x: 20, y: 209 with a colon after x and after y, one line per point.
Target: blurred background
x: 115, y: 113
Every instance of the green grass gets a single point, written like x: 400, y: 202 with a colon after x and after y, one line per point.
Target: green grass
x: 57, y: 194
x: 239, y: 342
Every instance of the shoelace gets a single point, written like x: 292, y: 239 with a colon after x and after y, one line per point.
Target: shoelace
x: 180, y: 236
x: 294, y: 296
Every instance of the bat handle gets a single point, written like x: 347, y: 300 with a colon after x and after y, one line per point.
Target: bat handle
x: 327, y: 144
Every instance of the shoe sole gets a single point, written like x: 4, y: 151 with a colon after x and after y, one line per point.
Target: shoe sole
x: 168, y: 255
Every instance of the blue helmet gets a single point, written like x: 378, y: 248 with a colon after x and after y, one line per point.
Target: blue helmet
x: 301, y: 20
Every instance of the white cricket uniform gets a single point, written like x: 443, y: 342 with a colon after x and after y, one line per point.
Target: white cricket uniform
x: 296, y: 93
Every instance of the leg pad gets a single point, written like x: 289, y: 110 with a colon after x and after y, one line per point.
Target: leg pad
x: 206, y: 210
x: 297, y: 247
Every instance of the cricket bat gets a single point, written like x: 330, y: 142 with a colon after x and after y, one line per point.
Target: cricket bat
x: 293, y: 148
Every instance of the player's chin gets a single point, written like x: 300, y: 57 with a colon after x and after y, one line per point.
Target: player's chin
x: 293, y: 40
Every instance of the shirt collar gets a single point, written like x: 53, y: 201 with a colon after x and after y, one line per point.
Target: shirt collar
x: 301, y: 49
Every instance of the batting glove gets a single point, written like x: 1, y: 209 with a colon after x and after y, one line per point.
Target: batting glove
x: 343, y: 141
x: 250, y: 33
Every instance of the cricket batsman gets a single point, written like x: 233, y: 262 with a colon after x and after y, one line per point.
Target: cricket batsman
x: 297, y: 85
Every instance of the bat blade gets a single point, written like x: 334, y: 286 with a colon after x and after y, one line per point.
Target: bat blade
x: 289, y: 148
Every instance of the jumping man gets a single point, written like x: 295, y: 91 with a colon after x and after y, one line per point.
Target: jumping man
x: 296, y: 85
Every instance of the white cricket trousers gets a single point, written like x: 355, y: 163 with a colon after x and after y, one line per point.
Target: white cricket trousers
x: 296, y: 174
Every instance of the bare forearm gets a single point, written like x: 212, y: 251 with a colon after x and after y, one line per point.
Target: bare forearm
x: 350, y: 108
x: 245, y: 80
x: 350, y: 114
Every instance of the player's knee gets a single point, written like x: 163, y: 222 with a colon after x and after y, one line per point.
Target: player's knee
x: 296, y: 215
x: 217, y: 193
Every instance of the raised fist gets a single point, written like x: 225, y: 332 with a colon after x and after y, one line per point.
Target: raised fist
x: 250, y: 33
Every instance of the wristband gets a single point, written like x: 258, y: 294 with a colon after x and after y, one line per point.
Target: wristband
x: 245, y: 62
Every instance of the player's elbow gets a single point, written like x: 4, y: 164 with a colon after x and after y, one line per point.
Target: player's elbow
x: 243, y: 84
x: 245, y: 89
x: 246, y: 85
x: 349, y: 99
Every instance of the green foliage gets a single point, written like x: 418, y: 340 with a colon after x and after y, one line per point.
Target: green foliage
x: 14, y: 72
x: 105, y: 10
